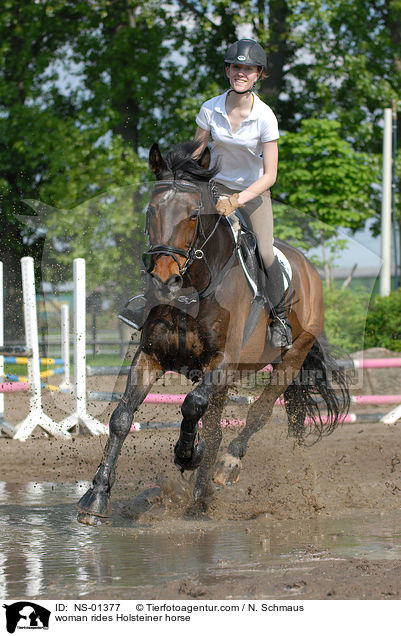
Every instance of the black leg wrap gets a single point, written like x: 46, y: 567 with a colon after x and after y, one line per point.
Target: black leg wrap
x: 187, y: 455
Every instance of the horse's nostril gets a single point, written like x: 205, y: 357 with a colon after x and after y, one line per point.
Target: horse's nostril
x: 174, y: 282
x: 156, y: 281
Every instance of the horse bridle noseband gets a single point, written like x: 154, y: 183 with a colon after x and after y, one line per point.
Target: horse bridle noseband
x: 193, y: 253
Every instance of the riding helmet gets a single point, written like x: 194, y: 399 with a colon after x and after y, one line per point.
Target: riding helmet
x: 246, y: 52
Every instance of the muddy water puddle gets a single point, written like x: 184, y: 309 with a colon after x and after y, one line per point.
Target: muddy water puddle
x: 46, y: 553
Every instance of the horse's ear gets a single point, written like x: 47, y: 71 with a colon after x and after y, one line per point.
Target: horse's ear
x: 156, y: 161
x: 204, y: 159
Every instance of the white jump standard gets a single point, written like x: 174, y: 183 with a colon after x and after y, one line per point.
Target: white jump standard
x: 80, y: 415
x: 4, y: 426
x: 36, y: 415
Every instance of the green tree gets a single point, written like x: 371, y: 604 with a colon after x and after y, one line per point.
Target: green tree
x: 31, y: 109
x: 142, y: 71
x: 322, y: 177
x: 383, y: 324
x: 349, y: 64
x: 100, y: 201
x: 124, y: 51
x: 346, y: 328
x: 207, y: 30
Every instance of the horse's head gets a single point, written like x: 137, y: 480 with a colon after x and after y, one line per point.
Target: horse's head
x: 174, y: 222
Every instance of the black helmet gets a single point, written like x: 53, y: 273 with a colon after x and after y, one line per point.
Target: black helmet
x: 246, y: 52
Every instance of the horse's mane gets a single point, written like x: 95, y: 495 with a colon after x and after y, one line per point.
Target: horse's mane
x: 182, y: 165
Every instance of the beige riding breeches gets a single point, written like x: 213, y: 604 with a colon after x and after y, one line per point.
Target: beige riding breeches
x: 258, y: 214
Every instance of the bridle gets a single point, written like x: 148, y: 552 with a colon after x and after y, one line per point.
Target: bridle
x: 195, y: 250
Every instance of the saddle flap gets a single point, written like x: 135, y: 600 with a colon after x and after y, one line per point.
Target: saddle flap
x: 248, y: 254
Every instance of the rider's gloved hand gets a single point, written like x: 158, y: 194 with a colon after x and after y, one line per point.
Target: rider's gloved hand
x: 227, y: 205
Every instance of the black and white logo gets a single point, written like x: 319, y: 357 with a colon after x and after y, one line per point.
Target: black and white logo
x: 241, y: 58
x: 26, y: 615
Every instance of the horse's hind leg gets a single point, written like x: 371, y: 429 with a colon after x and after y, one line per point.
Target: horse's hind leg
x: 95, y: 502
x: 260, y: 412
x: 296, y: 411
x: 212, y: 435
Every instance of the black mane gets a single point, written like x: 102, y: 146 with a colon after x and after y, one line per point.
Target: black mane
x: 181, y: 164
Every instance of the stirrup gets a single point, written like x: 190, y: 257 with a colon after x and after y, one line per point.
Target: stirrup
x: 280, y: 333
x: 134, y: 312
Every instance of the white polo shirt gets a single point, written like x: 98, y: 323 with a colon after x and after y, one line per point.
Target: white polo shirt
x: 238, y: 153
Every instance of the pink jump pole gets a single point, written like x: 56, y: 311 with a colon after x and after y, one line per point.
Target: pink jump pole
x: 14, y: 387
x: 377, y: 363
x: 376, y: 399
x: 8, y: 428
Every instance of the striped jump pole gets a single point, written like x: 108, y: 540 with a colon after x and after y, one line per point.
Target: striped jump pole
x: 80, y: 417
x: 24, y: 360
x: 36, y: 416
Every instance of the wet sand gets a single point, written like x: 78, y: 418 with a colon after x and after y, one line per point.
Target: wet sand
x: 355, y: 471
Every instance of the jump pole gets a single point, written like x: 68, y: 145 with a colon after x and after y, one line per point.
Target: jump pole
x: 36, y: 415
x: 5, y: 426
x: 176, y: 399
x: 392, y: 417
x: 363, y: 363
x: 80, y: 415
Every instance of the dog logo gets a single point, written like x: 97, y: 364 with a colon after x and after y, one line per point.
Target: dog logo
x: 26, y: 615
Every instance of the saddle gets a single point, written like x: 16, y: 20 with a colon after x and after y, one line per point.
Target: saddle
x: 251, y: 263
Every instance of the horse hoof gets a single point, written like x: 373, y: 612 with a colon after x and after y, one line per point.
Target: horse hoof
x: 202, y: 495
x: 88, y: 520
x: 94, y: 504
x: 198, y: 509
x: 227, y: 471
x: 193, y: 462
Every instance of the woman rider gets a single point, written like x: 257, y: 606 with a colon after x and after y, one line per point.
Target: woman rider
x: 244, y: 131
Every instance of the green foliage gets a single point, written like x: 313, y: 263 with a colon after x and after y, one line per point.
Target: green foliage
x: 322, y: 176
x: 128, y: 78
x: 383, y: 324
x: 138, y: 72
x: 324, y: 185
x: 345, y: 317
x: 107, y: 227
x: 350, y: 68
x: 353, y: 322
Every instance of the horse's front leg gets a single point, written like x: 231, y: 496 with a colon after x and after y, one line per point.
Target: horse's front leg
x: 188, y: 454
x: 95, y: 502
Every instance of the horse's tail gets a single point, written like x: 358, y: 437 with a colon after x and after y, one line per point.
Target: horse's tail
x: 320, y: 393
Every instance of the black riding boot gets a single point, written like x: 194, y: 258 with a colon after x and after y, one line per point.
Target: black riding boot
x: 280, y: 328
x: 135, y: 312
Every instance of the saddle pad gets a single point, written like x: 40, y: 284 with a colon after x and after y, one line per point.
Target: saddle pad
x: 285, y: 264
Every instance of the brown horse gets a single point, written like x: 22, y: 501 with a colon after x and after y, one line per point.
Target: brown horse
x: 196, y: 326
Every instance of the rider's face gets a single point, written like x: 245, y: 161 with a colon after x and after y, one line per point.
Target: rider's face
x: 241, y: 76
